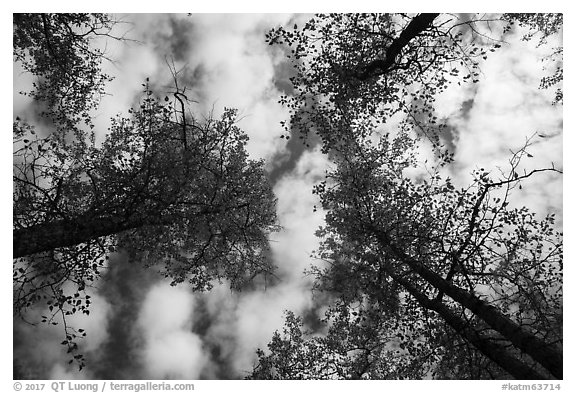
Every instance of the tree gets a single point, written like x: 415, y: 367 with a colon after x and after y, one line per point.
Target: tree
x: 166, y: 189
x: 420, y: 251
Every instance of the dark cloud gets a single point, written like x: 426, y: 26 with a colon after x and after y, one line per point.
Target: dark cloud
x: 467, y: 107
x: 284, y: 162
x: 25, y: 366
x: 181, y: 38
x: 170, y: 35
x: 449, y: 134
x: 283, y: 71
x: 444, y: 128
x: 221, y: 366
x: 312, y: 318
x: 124, y: 287
x: 19, y: 371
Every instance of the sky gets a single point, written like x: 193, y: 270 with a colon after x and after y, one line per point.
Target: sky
x: 142, y: 328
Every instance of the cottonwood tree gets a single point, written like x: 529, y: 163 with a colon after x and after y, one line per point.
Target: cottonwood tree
x: 473, y: 284
x: 166, y: 189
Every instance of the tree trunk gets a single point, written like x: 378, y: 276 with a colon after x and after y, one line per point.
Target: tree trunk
x: 66, y: 233
x: 416, y: 26
x: 541, y: 351
x: 492, y: 350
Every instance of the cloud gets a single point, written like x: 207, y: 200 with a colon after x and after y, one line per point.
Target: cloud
x: 170, y: 350
x: 261, y: 313
x: 293, y: 245
x: 124, y: 286
x: 22, y: 83
x: 236, y: 324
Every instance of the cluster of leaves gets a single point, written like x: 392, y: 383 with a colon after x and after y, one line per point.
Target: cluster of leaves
x: 542, y: 25
x: 213, y: 206
x: 346, y: 351
x: 57, y: 50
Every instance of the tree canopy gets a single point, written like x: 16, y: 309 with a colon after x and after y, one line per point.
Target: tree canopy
x: 428, y: 280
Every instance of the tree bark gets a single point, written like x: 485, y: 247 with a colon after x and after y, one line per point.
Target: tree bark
x: 541, y: 351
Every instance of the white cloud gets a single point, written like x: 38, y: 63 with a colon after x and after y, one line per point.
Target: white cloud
x: 22, y: 82
x: 242, y: 322
x: 61, y: 372
x: 95, y: 324
x: 293, y: 245
x: 170, y: 349
x: 260, y: 314
x: 174, y: 355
